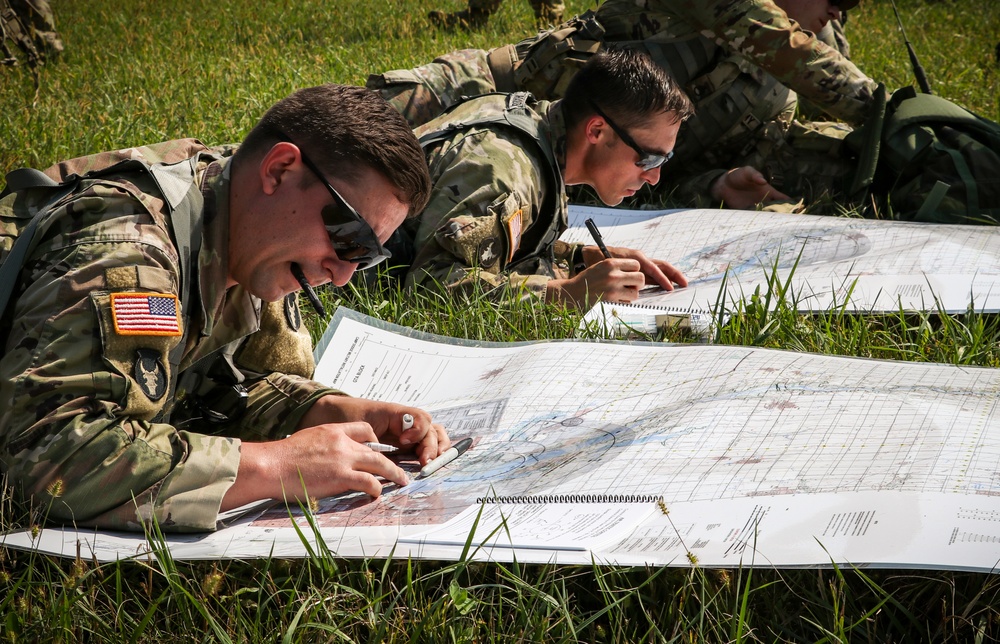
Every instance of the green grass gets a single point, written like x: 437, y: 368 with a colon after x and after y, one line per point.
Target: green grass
x: 141, y: 71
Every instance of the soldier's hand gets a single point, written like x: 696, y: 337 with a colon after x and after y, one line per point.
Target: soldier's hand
x: 425, y: 437
x: 611, y: 280
x: 314, y: 462
x: 745, y: 187
x: 657, y: 271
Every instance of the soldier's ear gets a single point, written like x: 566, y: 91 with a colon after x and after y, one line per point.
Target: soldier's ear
x: 275, y: 167
x: 594, y: 128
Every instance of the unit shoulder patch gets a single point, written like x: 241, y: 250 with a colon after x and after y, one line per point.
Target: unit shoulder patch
x: 150, y: 374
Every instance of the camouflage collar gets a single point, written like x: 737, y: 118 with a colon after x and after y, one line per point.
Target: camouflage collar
x: 227, y: 315
x: 556, y: 133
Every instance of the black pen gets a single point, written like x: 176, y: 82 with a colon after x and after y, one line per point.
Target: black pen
x: 596, y: 234
x: 310, y: 293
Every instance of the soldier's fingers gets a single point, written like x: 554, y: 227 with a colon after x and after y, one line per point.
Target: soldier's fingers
x: 430, y: 447
x: 657, y: 272
x: 363, y: 482
x: 420, y: 424
x: 358, y: 430
x: 378, y: 465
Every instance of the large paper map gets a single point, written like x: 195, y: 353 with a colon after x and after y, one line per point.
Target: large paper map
x: 760, y: 457
x: 824, y: 262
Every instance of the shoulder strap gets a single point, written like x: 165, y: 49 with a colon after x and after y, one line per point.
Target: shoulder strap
x: 868, y: 142
x: 26, y: 178
x: 514, y: 114
x: 22, y: 179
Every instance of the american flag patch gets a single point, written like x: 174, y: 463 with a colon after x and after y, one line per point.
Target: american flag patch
x: 514, y: 231
x: 145, y: 314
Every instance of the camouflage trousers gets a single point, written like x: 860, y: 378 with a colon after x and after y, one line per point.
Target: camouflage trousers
x: 813, y: 165
x: 424, y: 92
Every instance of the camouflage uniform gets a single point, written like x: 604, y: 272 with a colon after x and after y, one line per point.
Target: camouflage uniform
x: 30, y: 25
x: 547, y: 12
x: 88, y: 425
x: 738, y: 60
x: 494, y: 215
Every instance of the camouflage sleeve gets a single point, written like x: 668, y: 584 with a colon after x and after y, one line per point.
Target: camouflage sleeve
x: 762, y: 32
x: 78, y: 434
x: 487, y: 192
x: 423, y: 93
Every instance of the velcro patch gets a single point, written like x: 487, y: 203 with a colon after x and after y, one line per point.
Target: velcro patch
x: 514, y: 230
x: 146, y: 314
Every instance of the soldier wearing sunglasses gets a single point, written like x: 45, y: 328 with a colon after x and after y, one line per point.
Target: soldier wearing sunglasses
x: 500, y: 165
x: 154, y: 361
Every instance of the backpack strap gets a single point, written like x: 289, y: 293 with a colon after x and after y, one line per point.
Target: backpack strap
x: 22, y: 179
x: 868, y: 140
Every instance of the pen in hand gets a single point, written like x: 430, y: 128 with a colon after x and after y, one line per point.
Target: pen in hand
x: 382, y: 448
x: 390, y: 449
x: 596, y: 234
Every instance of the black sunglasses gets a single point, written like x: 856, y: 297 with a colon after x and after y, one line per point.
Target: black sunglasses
x: 647, y: 160
x: 352, y: 238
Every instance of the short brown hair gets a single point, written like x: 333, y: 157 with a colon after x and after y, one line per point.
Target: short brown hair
x: 627, y: 85
x: 342, y: 127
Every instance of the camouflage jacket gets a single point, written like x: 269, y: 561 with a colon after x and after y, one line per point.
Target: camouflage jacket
x: 88, y: 427
x: 757, y: 30
x: 751, y: 51
x: 494, y: 216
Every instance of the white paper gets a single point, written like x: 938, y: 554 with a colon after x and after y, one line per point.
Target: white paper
x: 545, y: 526
x: 825, y: 263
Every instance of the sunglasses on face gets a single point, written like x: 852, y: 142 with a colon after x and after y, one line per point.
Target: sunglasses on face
x: 647, y: 160
x: 352, y: 238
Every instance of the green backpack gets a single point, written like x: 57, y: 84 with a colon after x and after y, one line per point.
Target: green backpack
x: 926, y: 159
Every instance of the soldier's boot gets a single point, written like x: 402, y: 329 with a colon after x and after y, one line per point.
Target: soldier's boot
x: 464, y: 19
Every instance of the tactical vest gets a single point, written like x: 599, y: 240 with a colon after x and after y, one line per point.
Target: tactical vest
x: 513, y: 111
x: 185, y: 202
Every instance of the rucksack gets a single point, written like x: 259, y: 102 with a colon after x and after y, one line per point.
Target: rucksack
x: 924, y: 158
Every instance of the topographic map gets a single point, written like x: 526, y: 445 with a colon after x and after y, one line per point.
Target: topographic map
x: 823, y: 262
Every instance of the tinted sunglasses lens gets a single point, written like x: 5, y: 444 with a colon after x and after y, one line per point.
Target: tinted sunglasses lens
x: 649, y: 161
x: 348, y: 251
x: 352, y: 237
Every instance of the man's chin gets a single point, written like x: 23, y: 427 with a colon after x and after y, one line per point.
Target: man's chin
x: 613, y: 200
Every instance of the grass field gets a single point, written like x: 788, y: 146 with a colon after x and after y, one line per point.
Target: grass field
x: 141, y: 71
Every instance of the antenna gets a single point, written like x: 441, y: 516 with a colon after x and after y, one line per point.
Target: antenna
x: 918, y: 69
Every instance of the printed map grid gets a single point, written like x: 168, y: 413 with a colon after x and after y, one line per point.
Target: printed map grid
x: 608, y: 419
x: 921, y: 266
